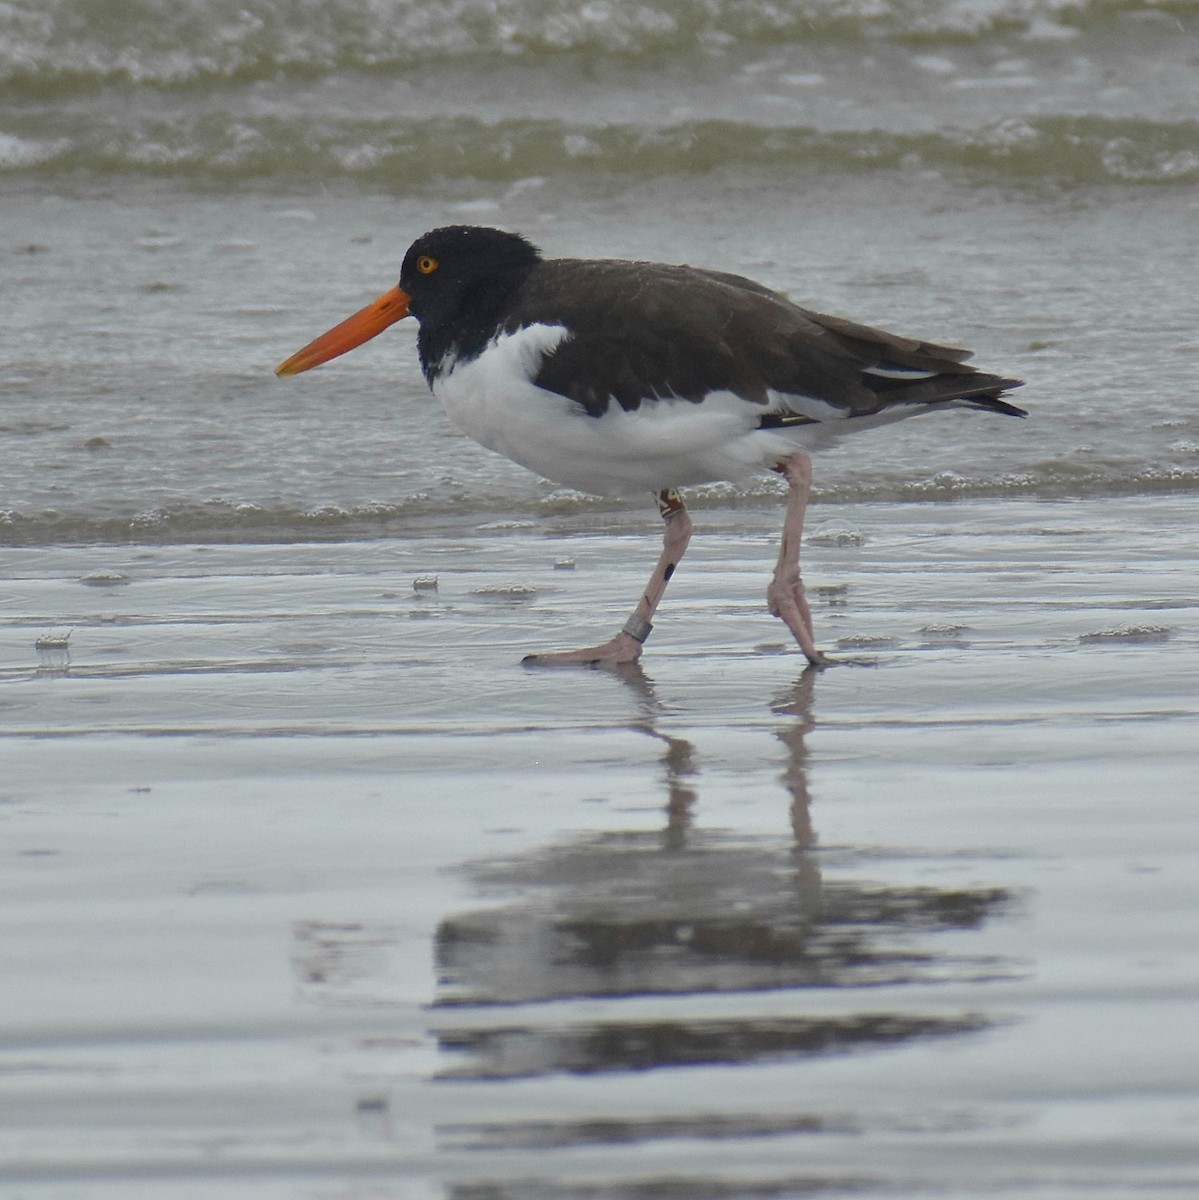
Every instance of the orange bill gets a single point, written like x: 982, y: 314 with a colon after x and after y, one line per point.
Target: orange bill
x: 391, y: 307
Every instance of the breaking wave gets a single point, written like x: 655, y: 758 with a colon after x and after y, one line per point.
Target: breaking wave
x: 1068, y: 151
x: 49, y: 46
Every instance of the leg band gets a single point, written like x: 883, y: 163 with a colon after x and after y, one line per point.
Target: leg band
x: 638, y: 628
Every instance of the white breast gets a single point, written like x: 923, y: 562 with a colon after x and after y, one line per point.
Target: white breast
x: 492, y: 398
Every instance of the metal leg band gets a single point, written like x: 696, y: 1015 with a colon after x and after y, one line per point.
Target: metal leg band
x: 638, y: 628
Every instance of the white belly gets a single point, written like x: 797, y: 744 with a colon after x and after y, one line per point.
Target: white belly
x: 662, y: 444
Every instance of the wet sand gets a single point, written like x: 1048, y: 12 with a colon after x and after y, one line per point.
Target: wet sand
x: 310, y: 889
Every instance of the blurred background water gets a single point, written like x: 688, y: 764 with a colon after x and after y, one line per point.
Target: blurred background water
x: 190, y: 190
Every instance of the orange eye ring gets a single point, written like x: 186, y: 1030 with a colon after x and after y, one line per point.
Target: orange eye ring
x: 426, y: 264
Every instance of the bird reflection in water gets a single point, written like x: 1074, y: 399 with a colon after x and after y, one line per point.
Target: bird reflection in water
x: 688, y: 911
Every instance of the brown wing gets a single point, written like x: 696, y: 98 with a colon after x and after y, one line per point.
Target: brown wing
x: 645, y: 331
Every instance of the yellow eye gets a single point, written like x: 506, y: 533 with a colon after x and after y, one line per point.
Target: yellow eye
x: 426, y: 265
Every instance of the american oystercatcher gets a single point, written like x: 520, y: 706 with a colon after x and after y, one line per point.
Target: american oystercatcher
x: 615, y: 377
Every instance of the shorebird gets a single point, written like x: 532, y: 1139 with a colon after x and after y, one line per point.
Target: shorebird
x: 614, y: 377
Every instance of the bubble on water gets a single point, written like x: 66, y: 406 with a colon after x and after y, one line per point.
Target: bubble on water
x: 1129, y: 634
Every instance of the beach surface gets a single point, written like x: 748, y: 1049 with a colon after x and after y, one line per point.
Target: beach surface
x: 311, y: 890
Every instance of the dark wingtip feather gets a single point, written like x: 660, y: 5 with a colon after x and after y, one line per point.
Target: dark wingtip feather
x: 1009, y: 410
x: 992, y: 402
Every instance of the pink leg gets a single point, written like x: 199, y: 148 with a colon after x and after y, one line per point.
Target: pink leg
x: 625, y: 647
x: 785, y: 596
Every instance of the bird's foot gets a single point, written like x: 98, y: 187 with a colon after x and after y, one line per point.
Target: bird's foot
x: 620, y: 649
x: 787, y: 602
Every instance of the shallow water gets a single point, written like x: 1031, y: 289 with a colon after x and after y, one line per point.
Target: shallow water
x: 183, y: 208
x: 139, y: 404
